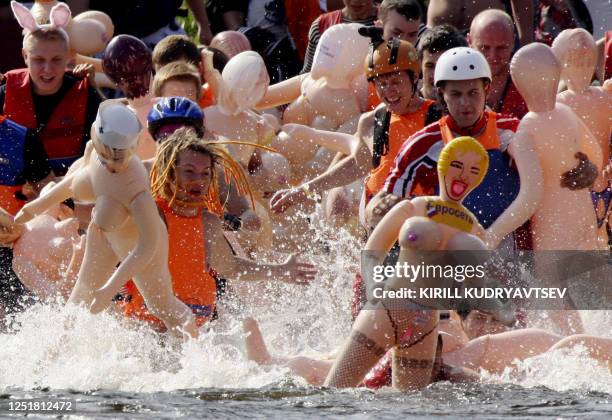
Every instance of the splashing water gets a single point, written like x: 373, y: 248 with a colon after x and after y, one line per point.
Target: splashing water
x: 51, y: 346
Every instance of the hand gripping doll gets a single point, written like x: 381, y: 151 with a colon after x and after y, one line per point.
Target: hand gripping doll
x: 563, y: 217
x: 577, y: 53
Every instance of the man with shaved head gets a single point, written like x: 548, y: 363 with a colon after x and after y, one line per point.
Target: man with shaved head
x: 492, y: 33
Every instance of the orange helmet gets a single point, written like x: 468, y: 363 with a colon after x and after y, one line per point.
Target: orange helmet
x: 391, y: 56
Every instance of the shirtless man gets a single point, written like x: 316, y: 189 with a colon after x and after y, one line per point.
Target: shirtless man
x: 460, y: 14
x: 492, y: 33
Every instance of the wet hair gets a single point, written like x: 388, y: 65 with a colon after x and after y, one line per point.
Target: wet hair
x: 164, y: 182
x: 176, y: 48
x: 179, y: 71
x: 440, y: 38
x: 45, y: 33
x: 409, y: 9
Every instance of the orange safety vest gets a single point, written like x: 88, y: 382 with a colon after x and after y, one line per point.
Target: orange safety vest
x: 62, y: 136
x: 192, y: 282
x: 400, y: 128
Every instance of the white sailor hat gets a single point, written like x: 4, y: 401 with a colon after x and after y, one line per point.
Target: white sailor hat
x: 116, y: 125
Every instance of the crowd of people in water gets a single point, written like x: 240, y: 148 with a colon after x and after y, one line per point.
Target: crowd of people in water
x: 147, y: 172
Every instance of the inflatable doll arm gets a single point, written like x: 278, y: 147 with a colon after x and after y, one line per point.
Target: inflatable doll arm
x: 103, y: 81
x: 282, y: 93
x: 590, y: 146
x: 146, y: 216
x: 347, y: 170
x: 70, y: 276
x: 337, y: 142
x: 528, y: 199
x: 56, y: 194
x: 381, y: 240
x: 9, y: 230
x: 212, y: 76
x: 95, y: 62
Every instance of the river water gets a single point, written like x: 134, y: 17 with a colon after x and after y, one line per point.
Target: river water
x: 112, y: 367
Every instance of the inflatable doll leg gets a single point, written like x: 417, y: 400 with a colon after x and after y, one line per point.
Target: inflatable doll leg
x: 599, y: 348
x: 155, y: 286
x: 98, y: 265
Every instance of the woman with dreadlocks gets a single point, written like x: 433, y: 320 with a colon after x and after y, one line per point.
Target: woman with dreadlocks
x: 185, y: 186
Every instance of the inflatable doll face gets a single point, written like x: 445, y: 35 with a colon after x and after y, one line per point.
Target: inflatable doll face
x: 193, y: 176
x: 577, y: 53
x: 462, y: 165
x: 128, y: 63
x: 114, y: 160
x: 463, y: 175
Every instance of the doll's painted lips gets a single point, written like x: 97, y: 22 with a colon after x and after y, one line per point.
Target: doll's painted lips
x: 458, y: 188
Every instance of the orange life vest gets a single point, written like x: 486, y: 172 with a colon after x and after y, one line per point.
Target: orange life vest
x: 62, y: 136
x: 192, y: 282
x: 400, y: 128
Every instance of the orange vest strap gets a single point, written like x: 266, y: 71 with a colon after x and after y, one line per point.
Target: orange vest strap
x: 489, y: 138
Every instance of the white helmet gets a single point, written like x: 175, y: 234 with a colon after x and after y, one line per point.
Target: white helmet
x: 461, y: 63
x: 116, y: 125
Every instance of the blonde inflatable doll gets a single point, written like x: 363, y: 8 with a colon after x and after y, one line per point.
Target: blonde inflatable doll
x: 421, y: 224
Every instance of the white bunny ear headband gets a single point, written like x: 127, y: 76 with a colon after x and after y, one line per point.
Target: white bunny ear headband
x: 59, y: 17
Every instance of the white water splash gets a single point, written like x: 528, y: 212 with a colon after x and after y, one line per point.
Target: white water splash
x: 560, y: 370
x: 62, y: 348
